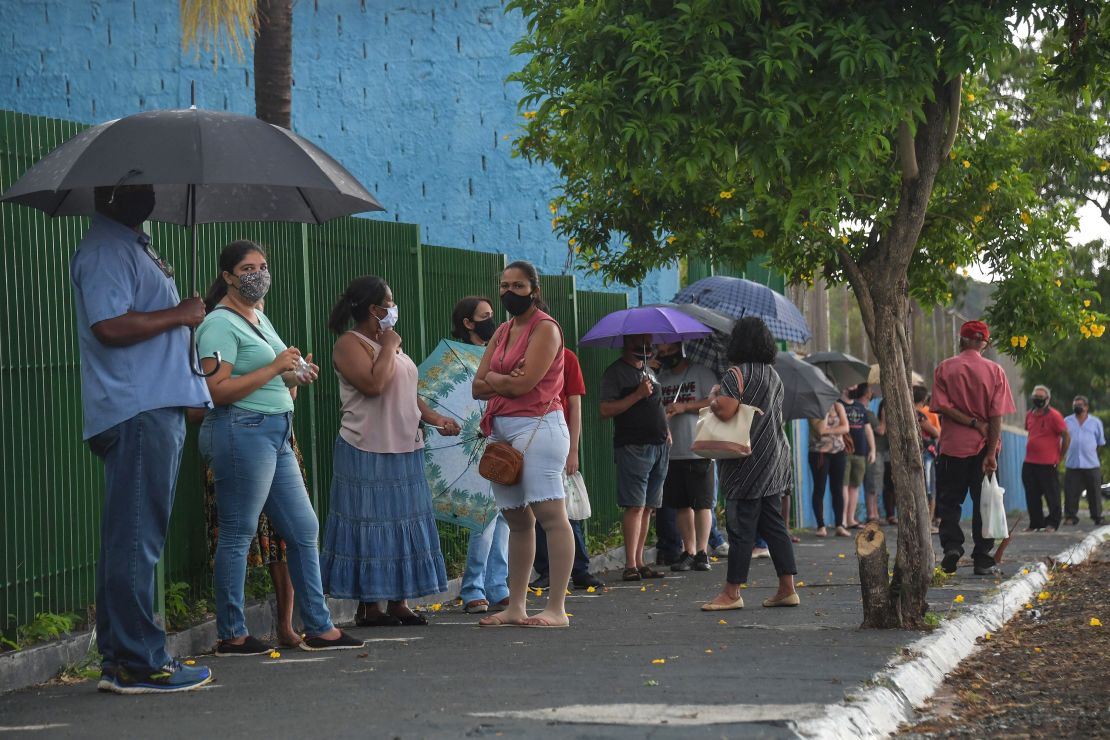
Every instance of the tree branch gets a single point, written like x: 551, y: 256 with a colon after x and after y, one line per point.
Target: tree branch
x: 1104, y: 208
x: 955, y: 90
x: 906, y: 152
x: 858, y: 281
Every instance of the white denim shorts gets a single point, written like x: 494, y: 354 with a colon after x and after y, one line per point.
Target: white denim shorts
x: 544, y: 460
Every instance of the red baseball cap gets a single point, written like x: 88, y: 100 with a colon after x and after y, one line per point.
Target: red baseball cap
x: 975, y: 330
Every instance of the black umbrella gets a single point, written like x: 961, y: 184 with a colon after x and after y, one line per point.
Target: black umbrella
x: 205, y: 167
x: 807, y: 393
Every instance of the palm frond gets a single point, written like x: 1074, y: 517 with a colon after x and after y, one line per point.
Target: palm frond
x: 218, y: 24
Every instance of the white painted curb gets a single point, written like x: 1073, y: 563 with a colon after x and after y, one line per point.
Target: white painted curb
x: 892, y: 694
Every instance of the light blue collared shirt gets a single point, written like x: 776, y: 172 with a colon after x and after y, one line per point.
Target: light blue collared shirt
x: 1086, y: 438
x: 115, y: 270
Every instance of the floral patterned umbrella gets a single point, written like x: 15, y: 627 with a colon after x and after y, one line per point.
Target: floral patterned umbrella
x: 459, y: 495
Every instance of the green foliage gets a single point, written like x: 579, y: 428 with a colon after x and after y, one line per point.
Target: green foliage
x: 932, y: 620
x: 44, y: 627
x: 182, y: 610
x: 714, y: 129
x: 258, y: 585
x: 599, y: 542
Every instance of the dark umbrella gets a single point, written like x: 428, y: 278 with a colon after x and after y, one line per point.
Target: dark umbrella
x: 807, y: 393
x: 842, y: 368
x: 713, y: 319
x: 737, y: 297
x: 205, y: 167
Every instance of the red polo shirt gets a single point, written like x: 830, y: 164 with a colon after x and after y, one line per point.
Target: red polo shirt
x: 1045, y: 431
x: 976, y: 386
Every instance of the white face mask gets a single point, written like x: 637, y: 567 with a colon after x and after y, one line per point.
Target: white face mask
x: 390, y: 319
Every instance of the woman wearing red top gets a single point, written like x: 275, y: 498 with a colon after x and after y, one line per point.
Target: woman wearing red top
x: 521, y: 375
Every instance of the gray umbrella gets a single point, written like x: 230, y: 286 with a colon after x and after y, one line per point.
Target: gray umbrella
x: 842, y: 368
x: 807, y: 393
x: 204, y: 166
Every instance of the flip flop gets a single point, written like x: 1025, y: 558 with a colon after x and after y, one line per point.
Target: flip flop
x: 543, y: 626
x: 490, y: 625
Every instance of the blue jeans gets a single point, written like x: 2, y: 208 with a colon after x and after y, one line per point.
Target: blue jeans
x: 581, y: 566
x: 255, y: 470
x: 487, y: 563
x: 141, y: 458
x: 668, y: 543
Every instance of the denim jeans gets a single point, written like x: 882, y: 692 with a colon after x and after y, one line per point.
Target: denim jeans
x: 141, y: 458
x: 255, y: 470
x: 487, y: 563
x: 668, y: 543
x: 581, y: 566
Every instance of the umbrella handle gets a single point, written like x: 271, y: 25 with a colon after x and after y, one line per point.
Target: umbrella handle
x: 194, y: 357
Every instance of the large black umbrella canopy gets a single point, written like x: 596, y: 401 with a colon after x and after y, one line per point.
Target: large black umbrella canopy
x: 240, y: 168
x: 807, y: 393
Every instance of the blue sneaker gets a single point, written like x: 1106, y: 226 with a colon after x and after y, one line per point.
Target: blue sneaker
x: 175, y: 676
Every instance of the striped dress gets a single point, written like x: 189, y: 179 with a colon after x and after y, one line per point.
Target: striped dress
x: 767, y: 471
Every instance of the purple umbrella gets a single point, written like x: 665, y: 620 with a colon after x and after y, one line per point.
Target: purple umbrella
x: 665, y: 325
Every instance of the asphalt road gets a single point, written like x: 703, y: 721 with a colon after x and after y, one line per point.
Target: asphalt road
x: 746, y: 678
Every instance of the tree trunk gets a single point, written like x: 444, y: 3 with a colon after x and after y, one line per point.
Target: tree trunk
x: 273, y: 63
x: 873, y: 561
x: 879, y: 280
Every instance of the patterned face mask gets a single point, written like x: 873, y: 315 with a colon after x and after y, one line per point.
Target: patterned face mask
x: 253, y: 286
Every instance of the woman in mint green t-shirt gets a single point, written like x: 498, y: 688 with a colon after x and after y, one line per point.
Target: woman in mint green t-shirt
x: 246, y: 441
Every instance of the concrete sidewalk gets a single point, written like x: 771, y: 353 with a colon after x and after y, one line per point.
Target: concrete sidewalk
x: 752, y: 676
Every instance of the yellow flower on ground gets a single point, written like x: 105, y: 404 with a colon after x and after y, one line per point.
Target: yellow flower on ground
x: 659, y: 661
x: 840, y: 555
x: 970, y: 98
x: 1026, y: 218
x: 643, y: 588
x: 591, y: 589
x: 992, y: 187
x: 799, y: 584
x: 529, y: 114
x: 436, y: 607
x: 959, y: 599
x: 727, y: 194
x: 275, y: 654
x: 1043, y: 596
x: 190, y: 662
x: 708, y: 651
x: 1036, y: 650
x: 1025, y: 571
x: 568, y: 613
x: 966, y: 164
x: 1095, y: 622
x: 759, y: 233
x: 987, y: 637
x: 1028, y: 605
x: 722, y: 621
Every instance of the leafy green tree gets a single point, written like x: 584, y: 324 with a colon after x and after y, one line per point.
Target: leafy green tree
x: 859, y: 140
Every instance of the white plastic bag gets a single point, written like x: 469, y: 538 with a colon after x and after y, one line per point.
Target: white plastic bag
x: 578, y: 501
x: 992, y: 508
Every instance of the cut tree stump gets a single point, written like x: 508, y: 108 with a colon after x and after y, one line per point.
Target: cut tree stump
x: 874, y: 559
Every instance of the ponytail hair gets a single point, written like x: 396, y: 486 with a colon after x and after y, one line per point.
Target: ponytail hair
x: 230, y: 256
x: 464, y: 310
x: 354, y: 303
x: 533, y: 277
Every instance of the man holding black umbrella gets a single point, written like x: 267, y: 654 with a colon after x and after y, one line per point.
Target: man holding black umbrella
x: 133, y: 334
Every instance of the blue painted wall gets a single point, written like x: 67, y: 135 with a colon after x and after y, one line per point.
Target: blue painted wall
x: 410, y: 96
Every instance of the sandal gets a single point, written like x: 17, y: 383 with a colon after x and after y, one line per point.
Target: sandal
x: 478, y: 606
x: 630, y: 574
x: 646, y: 572
x: 539, y: 622
x: 494, y: 620
x: 412, y: 619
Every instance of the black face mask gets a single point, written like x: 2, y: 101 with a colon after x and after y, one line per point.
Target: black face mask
x: 515, y: 303
x: 132, y: 208
x: 645, y: 354
x: 670, y: 361
x: 1078, y: 410
x: 485, y: 329
x: 919, y: 396
x: 1039, y: 402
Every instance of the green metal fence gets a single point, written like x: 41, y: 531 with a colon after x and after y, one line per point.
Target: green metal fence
x: 51, y: 485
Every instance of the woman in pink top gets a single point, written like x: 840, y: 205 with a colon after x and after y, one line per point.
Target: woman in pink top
x: 521, y: 375
x: 381, y: 541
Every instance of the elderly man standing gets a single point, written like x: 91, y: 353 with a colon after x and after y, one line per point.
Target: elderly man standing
x: 1082, y: 471
x: 972, y: 395
x: 1048, y: 442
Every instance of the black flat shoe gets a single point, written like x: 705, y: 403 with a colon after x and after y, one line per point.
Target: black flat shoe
x: 588, y: 580
x: 378, y: 620
x: 411, y: 620
x: 251, y: 646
